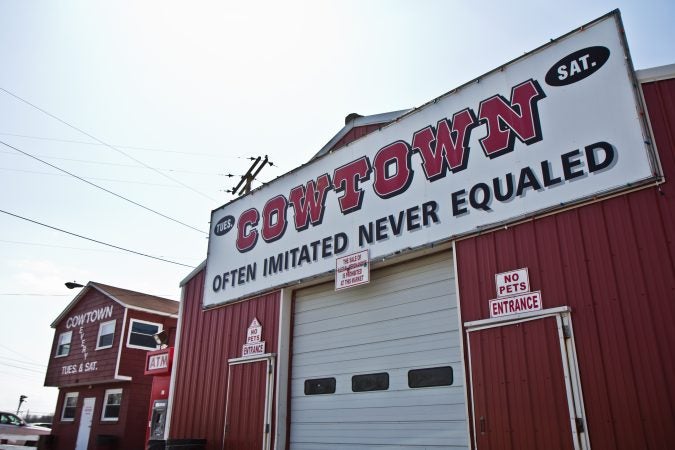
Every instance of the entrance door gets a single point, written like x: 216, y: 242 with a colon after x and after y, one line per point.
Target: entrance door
x: 249, y: 403
x: 85, y: 423
x: 526, y: 393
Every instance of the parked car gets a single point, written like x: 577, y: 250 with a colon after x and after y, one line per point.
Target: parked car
x: 13, y: 430
x: 40, y: 424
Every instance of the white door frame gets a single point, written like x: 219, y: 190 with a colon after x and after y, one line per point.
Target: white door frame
x: 575, y: 400
x: 85, y: 427
x: 269, y: 389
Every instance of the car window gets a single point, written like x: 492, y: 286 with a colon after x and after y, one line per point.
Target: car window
x: 9, y: 419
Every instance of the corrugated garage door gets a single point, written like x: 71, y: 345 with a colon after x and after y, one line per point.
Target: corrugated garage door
x: 379, y: 339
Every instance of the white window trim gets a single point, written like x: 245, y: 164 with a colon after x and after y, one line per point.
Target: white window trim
x: 108, y: 393
x: 98, y: 338
x: 65, y: 403
x: 58, y: 344
x: 131, y: 327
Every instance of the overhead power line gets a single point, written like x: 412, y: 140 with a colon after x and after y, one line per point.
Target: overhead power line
x: 93, y: 240
x: 102, y: 188
x: 133, y: 166
x: 149, y: 149
x: 105, y: 144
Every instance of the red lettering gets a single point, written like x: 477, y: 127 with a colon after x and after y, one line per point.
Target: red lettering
x: 347, y: 178
x: 447, y: 146
x: 507, y: 120
x: 309, y: 203
x: 274, y: 218
x: 396, y: 155
x: 246, y: 239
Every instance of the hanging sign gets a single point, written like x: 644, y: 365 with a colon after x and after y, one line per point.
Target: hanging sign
x: 254, y: 344
x: 352, y: 270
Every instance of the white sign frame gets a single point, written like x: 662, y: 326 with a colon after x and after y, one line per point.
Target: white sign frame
x: 582, y: 139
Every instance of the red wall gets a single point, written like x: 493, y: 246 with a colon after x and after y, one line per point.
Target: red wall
x: 613, y: 263
x: 106, y: 359
x: 208, y: 339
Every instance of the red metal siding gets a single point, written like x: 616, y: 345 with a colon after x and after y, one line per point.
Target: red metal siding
x: 208, y: 339
x: 613, y: 263
x: 527, y: 367
x: 356, y: 133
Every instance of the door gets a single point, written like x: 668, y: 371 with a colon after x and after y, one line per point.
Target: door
x: 85, y: 423
x: 249, y: 403
x: 524, y: 385
x: 401, y: 326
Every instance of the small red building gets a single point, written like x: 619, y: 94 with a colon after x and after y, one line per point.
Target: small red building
x: 98, y: 362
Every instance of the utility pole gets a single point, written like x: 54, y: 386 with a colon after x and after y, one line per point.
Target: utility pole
x: 22, y: 398
x: 249, y: 176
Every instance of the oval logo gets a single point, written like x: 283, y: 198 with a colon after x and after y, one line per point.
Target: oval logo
x: 577, y: 66
x: 224, y: 225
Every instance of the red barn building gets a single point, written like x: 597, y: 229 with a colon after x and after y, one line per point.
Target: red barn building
x: 98, y: 361
x: 492, y: 270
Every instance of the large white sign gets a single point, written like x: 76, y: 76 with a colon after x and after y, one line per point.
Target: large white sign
x: 557, y: 126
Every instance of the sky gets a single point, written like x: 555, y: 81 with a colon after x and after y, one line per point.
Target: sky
x: 158, y: 101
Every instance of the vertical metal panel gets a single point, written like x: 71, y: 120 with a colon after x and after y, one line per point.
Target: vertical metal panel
x: 246, y: 406
x: 613, y: 263
x: 208, y: 339
x: 514, y: 367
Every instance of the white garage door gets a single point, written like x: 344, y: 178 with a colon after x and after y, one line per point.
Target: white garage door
x: 356, y: 354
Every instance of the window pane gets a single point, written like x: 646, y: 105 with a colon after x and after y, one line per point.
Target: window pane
x: 142, y: 340
x: 144, y: 328
x: 370, y: 382
x: 105, y: 340
x: 434, y: 376
x: 320, y: 386
x: 112, y: 411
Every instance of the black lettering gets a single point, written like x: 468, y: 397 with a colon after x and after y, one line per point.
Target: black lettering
x: 396, y: 225
x: 527, y: 180
x: 326, y: 247
x: 546, y: 170
x: 429, y: 210
x: 304, y: 255
x: 413, y: 218
x: 341, y: 242
x: 381, y: 229
x: 217, y: 283
x: 457, y: 202
x: 482, y: 204
x: 497, y: 184
x: 365, y: 234
x: 569, y: 164
x: 591, y: 156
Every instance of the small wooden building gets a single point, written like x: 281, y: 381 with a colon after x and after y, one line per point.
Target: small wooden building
x: 98, y: 360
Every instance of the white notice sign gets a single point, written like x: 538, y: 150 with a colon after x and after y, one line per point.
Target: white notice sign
x: 352, y: 270
x: 254, y: 344
x: 530, y: 301
x: 513, y: 282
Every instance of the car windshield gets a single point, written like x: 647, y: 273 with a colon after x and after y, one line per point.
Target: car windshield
x: 10, y: 419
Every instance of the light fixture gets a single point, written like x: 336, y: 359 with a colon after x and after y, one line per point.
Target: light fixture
x: 161, y: 338
x: 73, y: 285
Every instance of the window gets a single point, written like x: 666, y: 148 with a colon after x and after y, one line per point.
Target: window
x: 63, y: 346
x: 106, y: 333
x: 111, y: 404
x: 69, y: 406
x: 141, y: 334
x: 370, y: 382
x: 10, y: 419
x: 434, y: 376
x: 320, y: 386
